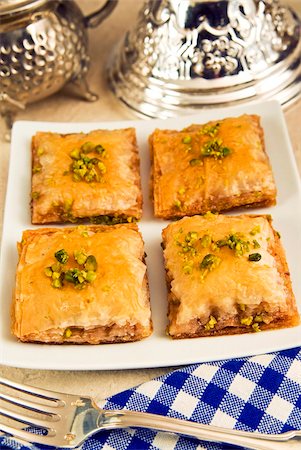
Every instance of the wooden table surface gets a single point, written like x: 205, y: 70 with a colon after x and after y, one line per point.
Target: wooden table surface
x: 63, y: 107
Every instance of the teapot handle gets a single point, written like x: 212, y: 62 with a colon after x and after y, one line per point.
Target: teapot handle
x: 95, y: 18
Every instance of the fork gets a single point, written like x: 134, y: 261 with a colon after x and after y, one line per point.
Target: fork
x: 66, y: 420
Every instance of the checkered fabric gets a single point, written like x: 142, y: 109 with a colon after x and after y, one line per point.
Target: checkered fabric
x: 260, y: 393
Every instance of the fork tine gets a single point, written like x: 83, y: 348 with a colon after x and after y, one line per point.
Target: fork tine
x: 30, y: 421
x: 36, y: 392
x: 27, y: 436
x: 32, y: 406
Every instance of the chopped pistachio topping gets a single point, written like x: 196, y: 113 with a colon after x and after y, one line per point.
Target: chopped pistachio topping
x: 211, y: 323
x: 256, y: 243
x: 210, y: 130
x: 255, y: 257
x: 255, y: 230
x: 48, y: 272
x: 187, y: 139
x: 210, y: 261
x: 79, y: 277
x: 91, y: 275
x: 67, y: 333
x: 246, y: 320
x: 90, y: 263
x: 236, y: 242
x: 56, y: 267
x: 215, y: 148
x: 87, y: 147
x: 256, y: 327
x: 80, y: 257
x: 57, y: 283
x: 209, y: 215
x: 99, y: 149
x: 187, y: 269
x: 258, y: 319
x: 112, y: 220
x: 84, y: 168
x: 205, y: 240
x: 178, y: 204
x: 191, y: 237
x: 62, y: 256
x: 195, y: 162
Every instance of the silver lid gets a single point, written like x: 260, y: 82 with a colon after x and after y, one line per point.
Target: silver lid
x: 183, y: 55
x: 8, y: 7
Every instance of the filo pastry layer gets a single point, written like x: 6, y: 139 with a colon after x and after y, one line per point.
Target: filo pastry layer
x: 226, y: 275
x: 114, y: 307
x: 80, y: 176
x: 217, y: 166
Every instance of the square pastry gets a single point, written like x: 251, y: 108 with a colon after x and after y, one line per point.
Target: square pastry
x: 226, y: 275
x: 79, y: 176
x: 81, y: 285
x: 213, y: 167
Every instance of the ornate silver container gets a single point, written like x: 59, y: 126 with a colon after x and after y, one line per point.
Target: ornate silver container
x: 187, y: 54
x: 43, y: 45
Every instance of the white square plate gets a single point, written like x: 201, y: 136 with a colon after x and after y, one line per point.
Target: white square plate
x: 157, y: 350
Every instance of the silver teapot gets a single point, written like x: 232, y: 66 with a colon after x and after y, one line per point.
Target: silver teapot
x: 183, y: 55
x: 43, y: 45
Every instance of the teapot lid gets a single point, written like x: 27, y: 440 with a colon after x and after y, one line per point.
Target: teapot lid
x: 8, y: 7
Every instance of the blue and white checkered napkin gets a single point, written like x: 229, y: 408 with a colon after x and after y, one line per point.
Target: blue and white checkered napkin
x: 260, y: 393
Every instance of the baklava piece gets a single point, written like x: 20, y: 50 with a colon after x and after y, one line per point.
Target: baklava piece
x: 226, y: 275
x: 213, y: 167
x: 81, y: 285
x: 93, y: 176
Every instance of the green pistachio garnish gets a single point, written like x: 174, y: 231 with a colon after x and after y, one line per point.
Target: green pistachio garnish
x: 75, y: 153
x: 187, y: 140
x: 256, y: 327
x: 195, y: 162
x: 255, y: 230
x: 191, y: 237
x: 255, y: 257
x: 210, y: 262
x: 256, y: 243
x: 79, y: 277
x: 84, y: 168
x: 67, y: 333
x: 87, y: 147
x: 90, y: 277
x: 205, y: 240
x: 80, y: 257
x: 210, y: 130
x: 211, y: 323
x: 246, y: 320
x: 62, y: 256
x: 91, y: 263
x: 48, y: 272
x: 178, y: 204
x: 236, y: 242
x: 56, y: 267
x: 99, y: 149
x: 57, y: 283
x: 215, y: 148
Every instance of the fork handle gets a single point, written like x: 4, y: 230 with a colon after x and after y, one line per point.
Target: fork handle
x: 256, y: 441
